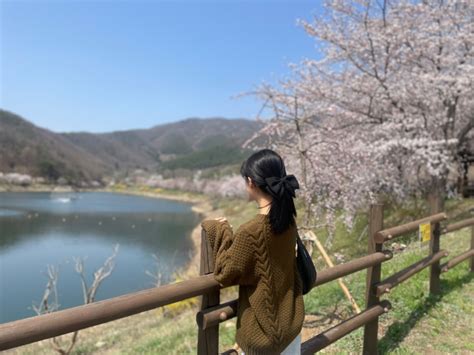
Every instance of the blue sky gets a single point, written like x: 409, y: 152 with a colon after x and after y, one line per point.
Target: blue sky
x: 102, y: 66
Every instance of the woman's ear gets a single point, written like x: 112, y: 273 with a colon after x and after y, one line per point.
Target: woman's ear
x: 250, y: 182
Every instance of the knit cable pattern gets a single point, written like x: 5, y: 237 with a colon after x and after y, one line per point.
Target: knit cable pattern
x: 233, y: 256
x: 262, y: 265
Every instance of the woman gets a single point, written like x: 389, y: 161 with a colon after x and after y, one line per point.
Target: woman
x: 261, y: 258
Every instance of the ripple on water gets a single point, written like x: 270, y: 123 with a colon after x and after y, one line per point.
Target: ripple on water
x: 10, y: 213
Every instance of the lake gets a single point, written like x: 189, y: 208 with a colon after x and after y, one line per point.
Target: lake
x: 38, y: 229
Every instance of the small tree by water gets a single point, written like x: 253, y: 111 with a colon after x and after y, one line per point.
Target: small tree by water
x: 89, y: 293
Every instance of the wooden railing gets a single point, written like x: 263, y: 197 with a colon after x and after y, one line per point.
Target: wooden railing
x: 212, y: 312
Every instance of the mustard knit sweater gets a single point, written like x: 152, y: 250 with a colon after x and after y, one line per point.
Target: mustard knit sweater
x: 270, y: 306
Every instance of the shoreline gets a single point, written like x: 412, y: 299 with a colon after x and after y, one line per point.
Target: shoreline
x: 200, y: 205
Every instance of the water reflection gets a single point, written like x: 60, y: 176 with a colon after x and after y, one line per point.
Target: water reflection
x: 37, y: 229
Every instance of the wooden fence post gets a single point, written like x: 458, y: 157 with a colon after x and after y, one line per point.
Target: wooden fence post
x: 472, y: 247
x: 435, y: 270
x: 373, y: 276
x: 208, y: 339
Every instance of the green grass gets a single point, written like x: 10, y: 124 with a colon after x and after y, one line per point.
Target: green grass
x: 178, y: 336
x: 417, y: 322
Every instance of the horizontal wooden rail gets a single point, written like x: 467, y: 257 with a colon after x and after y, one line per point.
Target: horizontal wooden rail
x: 390, y: 282
x: 351, y: 267
x: 214, y: 315
x: 456, y: 260
x: 458, y: 225
x: 32, y: 329
x: 390, y: 233
x: 331, y: 335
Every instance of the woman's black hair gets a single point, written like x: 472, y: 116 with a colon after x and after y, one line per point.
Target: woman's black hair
x: 267, y: 170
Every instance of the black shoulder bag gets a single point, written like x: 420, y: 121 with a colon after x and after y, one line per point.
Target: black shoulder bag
x: 305, y: 265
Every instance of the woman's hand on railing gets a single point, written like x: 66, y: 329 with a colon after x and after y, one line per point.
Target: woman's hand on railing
x: 223, y: 219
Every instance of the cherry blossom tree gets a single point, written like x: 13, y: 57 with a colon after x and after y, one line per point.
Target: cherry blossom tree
x: 385, y: 108
x: 225, y: 186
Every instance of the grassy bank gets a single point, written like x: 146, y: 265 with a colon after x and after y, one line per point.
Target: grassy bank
x: 416, y: 324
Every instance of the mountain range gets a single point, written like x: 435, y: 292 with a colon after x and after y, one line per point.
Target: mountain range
x: 189, y: 144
